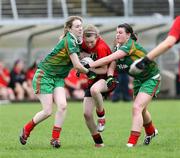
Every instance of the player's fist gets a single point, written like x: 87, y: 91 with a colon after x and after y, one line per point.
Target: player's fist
x: 91, y: 75
x: 139, y: 65
x: 111, y: 82
x: 86, y: 61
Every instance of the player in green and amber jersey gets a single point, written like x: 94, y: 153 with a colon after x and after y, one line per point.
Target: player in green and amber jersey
x: 172, y: 39
x: 48, y: 81
x: 135, y: 51
x: 146, y: 84
x: 58, y: 62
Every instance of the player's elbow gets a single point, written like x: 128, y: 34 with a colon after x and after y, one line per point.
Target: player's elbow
x: 169, y: 45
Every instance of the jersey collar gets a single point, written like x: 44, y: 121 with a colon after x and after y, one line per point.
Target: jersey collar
x: 77, y: 40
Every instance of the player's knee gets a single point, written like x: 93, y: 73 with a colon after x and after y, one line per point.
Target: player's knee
x: 47, y: 112
x: 136, y: 110
x: 94, y: 91
x: 62, y: 107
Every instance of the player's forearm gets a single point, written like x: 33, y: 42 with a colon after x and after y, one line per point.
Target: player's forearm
x: 79, y: 67
x: 108, y: 59
x: 105, y: 60
x: 111, y: 69
x: 100, y: 70
x: 162, y: 47
x: 99, y: 62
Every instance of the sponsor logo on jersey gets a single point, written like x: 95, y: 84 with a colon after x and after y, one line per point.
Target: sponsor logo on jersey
x: 122, y: 66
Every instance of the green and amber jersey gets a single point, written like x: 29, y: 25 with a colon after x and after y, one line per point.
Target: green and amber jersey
x: 57, y: 62
x: 135, y: 51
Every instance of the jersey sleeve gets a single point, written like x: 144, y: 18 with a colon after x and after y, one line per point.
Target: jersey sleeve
x: 126, y: 47
x: 175, y: 29
x: 72, y: 46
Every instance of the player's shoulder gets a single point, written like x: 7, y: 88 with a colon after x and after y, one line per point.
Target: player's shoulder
x: 71, y: 39
x: 101, y: 41
x: 102, y: 44
x: 177, y: 18
x: 127, y: 45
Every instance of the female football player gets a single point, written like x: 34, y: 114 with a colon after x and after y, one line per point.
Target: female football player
x: 172, y: 38
x: 48, y: 81
x: 146, y: 84
x: 95, y: 46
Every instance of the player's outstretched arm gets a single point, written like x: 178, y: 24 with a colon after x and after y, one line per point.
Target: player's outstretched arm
x: 139, y: 65
x: 108, y: 59
x: 162, y: 47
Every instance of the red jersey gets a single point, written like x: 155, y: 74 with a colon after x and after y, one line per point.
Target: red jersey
x: 30, y: 74
x: 76, y: 82
x: 100, y: 50
x: 3, y: 83
x: 175, y: 29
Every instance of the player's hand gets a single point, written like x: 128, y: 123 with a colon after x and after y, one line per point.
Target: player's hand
x: 111, y: 82
x: 143, y: 63
x: 139, y: 65
x: 91, y: 75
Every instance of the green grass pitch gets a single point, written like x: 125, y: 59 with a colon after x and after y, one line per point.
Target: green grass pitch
x: 76, y: 140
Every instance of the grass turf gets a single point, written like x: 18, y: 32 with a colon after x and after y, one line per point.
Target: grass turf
x: 76, y: 140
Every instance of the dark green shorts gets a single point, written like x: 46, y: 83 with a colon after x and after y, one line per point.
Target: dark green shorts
x: 150, y: 86
x: 44, y: 83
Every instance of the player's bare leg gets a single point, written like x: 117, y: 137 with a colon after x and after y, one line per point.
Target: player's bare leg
x: 96, y: 90
x: 46, y: 102
x: 140, y: 103
x: 149, y: 127
x: 60, y: 100
x: 89, y: 119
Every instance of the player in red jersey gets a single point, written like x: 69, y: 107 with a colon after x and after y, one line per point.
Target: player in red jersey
x: 5, y: 91
x: 74, y: 84
x: 29, y: 77
x: 96, y: 47
x: 172, y: 38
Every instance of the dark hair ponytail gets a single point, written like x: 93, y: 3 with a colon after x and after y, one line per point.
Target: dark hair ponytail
x: 134, y: 36
x: 129, y: 29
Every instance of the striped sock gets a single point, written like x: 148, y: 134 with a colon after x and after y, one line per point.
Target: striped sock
x: 149, y: 128
x: 134, y: 137
x: 56, y: 132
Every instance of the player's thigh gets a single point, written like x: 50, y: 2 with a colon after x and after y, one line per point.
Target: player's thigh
x: 60, y: 97
x: 142, y: 100
x: 46, y: 101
